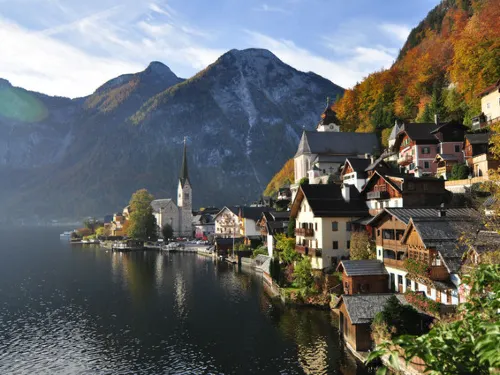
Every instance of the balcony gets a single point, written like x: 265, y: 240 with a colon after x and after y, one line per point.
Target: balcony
x: 304, y: 232
x: 302, y: 250
x: 394, y: 263
x: 405, y: 159
x: 377, y: 195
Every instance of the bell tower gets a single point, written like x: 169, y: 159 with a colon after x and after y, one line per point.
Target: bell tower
x: 329, y: 121
x: 184, y: 198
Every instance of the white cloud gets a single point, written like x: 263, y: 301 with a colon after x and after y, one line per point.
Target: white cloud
x: 269, y: 8
x: 398, y: 32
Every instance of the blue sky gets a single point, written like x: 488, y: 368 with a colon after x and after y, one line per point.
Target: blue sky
x: 70, y: 47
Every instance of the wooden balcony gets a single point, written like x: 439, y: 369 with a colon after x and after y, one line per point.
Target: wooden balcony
x: 377, y: 195
x: 302, y: 250
x: 394, y: 263
x: 405, y: 159
x: 439, y: 273
x: 304, y: 232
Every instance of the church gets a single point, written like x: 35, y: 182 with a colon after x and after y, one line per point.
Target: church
x: 179, y: 216
x: 322, y: 152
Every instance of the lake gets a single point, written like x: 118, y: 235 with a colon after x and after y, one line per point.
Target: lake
x: 73, y: 309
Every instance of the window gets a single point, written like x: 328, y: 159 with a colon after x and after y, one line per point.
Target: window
x: 426, y: 187
x: 448, y: 297
x: 335, y: 226
x: 488, y: 105
x: 437, y: 261
x: 426, y: 150
x: 315, y: 226
x: 426, y: 165
x: 378, y: 232
x: 428, y: 291
x: 400, y: 280
x: 411, y: 186
x: 388, y: 234
x: 380, y: 253
x: 348, y: 244
x: 408, y: 284
x: 335, y: 245
x: 457, y: 148
x: 348, y: 227
x: 399, y: 234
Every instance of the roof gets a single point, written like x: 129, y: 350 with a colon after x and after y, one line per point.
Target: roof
x: 329, y: 116
x: 362, y: 267
x: 446, y: 157
x: 253, y: 213
x: 234, y: 209
x: 160, y: 204
x: 451, y: 254
x: 362, y: 308
x: 184, y: 168
x: 405, y: 214
x: 489, y: 89
x: 478, y: 138
x: 442, y: 125
x: 327, y: 201
x: 395, y: 130
x: 359, y: 165
x: 486, y: 241
x: 380, y: 161
x: 420, y: 132
x: 363, y: 221
x: 338, y: 143
x: 329, y: 159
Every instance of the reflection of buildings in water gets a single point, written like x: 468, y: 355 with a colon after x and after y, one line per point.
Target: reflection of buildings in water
x: 134, y: 273
x: 180, y: 295
x: 159, y: 271
x: 313, y: 357
x: 118, y: 269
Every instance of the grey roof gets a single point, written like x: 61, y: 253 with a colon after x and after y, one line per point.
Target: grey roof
x: 359, y: 165
x: 395, y: 130
x: 436, y: 231
x: 338, y: 143
x: 404, y: 214
x: 490, y: 201
x: 451, y: 254
x: 362, y: 308
x: 329, y: 159
x: 486, y: 241
x: 444, y: 285
x: 253, y: 213
x: 158, y: 204
x: 379, y: 162
x: 363, y: 220
x: 478, y: 138
x: 447, y: 157
x: 363, y: 267
x: 420, y: 132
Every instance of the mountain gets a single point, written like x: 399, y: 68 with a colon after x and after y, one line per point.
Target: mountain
x: 242, y: 117
x: 446, y: 61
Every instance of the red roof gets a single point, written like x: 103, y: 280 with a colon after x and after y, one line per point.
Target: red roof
x: 489, y: 89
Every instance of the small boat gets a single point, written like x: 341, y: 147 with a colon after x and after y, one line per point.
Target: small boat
x: 66, y: 234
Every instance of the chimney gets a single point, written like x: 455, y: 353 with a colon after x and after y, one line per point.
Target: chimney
x: 436, y: 118
x: 346, y: 192
x: 372, y: 159
x: 367, y: 156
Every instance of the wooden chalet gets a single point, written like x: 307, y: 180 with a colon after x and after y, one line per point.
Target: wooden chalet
x: 445, y: 163
x: 477, y: 154
x: 363, y: 276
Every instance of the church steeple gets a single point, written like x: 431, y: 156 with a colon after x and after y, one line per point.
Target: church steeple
x: 184, y: 168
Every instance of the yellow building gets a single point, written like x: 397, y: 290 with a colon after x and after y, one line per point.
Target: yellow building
x: 323, y: 215
x: 490, y: 106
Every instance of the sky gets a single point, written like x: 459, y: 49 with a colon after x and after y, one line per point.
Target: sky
x: 71, y: 47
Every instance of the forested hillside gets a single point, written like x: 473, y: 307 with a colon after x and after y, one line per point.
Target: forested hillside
x: 446, y: 61
x: 285, y: 176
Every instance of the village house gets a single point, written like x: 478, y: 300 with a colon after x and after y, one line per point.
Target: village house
x: 490, y: 107
x: 363, y: 276
x: 227, y: 222
x: 477, y: 154
x: 403, y: 190
x: 323, y: 221
x: 204, y: 225
x: 116, y: 227
x: 357, y: 171
x: 273, y: 223
x: 389, y: 227
x: 356, y: 314
x: 418, y: 144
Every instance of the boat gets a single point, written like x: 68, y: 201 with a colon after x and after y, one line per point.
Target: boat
x: 66, y: 234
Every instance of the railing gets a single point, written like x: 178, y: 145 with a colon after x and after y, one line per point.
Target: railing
x: 377, y: 195
x: 394, y: 263
x: 302, y: 250
x: 305, y: 232
x: 439, y: 273
x: 405, y: 159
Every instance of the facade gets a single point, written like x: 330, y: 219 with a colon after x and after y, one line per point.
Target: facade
x: 323, y: 221
x: 204, y: 226
x: 477, y: 155
x: 490, y: 107
x: 403, y: 190
x: 271, y: 224
x: 445, y: 163
x: 418, y: 144
x: 363, y: 276
x: 248, y: 220
x: 179, y: 216
x: 227, y: 223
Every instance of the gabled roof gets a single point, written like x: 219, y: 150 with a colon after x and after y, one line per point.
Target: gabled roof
x: 327, y: 201
x: 405, y: 214
x: 395, y: 130
x: 357, y: 164
x: 375, y: 177
x: 419, y: 132
x: 234, y: 209
x: 379, y: 163
x: 486, y: 241
x: 362, y: 267
x: 161, y: 204
x: 253, y: 213
x: 478, y: 138
x: 338, y: 143
x: 489, y: 89
x: 362, y: 308
x: 442, y: 125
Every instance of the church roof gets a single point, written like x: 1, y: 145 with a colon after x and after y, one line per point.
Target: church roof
x: 338, y: 143
x: 184, y: 168
x: 158, y: 204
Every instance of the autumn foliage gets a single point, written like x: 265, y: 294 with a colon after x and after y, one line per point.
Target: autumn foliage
x: 447, y: 60
x: 285, y: 175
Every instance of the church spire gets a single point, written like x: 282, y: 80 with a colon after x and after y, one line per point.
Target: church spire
x: 184, y: 169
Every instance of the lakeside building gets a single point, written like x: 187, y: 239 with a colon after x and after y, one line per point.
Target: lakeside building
x: 363, y: 276
x: 179, y: 216
x: 323, y: 221
x: 273, y: 223
x: 204, y: 225
x: 227, y: 222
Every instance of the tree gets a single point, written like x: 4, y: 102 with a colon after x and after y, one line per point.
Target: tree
x: 286, y: 249
x: 102, y: 231
x: 291, y: 228
x: 467, y: 345
x: 362, y: 247
x: 304, y: 181
x: 167, y: 232
x: 302, y: 274
x: 459, y: 172
x: 142, y: 221
x: 92, y: 224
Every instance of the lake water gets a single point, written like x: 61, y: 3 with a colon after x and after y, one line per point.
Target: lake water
x: 69, y: 309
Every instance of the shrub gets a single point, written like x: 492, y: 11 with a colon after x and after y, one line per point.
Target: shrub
x: 459, y: 172
x: 422, y: 302
x: 302, y: 275
x: 259, y: 251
